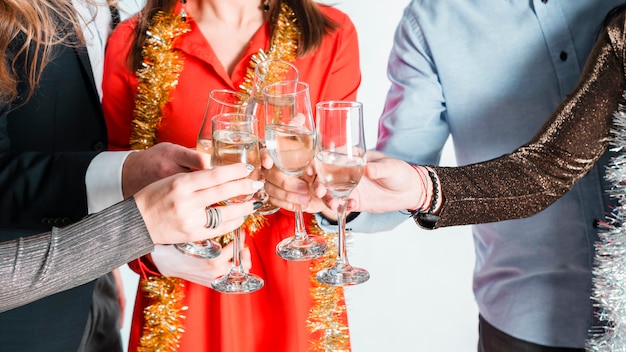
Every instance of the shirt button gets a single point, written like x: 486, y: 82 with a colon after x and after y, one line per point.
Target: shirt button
x: 596, y: 223
x: 60, y: 222
x: 544, y: 1
x: 563, y: 56
x: 98, y: 146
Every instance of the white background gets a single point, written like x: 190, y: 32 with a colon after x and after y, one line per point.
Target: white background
x: 419, y: 296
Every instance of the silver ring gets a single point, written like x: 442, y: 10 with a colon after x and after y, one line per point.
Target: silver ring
x: 213, y: 217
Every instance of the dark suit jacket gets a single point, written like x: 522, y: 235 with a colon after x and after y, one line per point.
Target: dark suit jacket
x: 46, y: 146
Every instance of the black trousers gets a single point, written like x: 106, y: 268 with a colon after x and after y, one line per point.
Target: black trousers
x: 491, y: 339
x: 102, y: 333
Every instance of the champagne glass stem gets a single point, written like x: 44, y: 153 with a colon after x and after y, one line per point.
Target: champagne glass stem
x: 237, y: 267
x: 301, y: 246
x: 300, y: 227
x: 342, y: 257
x: 237, y: 280
x: 342, y: 273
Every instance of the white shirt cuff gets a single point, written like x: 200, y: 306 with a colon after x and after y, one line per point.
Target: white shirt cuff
x: 104, y: 180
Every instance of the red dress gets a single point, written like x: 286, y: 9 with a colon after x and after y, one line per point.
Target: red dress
x: 273, y: 318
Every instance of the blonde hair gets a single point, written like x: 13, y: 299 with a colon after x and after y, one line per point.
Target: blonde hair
x: 28, y: 31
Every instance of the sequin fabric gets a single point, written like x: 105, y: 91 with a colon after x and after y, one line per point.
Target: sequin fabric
x: 576, y: 135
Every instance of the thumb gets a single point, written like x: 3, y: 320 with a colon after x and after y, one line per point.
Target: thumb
x: 377, y: 170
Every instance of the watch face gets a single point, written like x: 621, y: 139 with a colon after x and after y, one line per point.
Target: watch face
x: 426, y: 220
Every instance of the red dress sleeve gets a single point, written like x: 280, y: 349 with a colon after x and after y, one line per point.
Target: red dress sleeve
x: 144, y: 267
x: 344, y: 76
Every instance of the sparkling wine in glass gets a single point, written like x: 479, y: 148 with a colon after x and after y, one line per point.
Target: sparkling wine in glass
x: 265, y: 73
x: 340, y: 163
x: 220, y: 101
x: 290, y: 140
x: 235, y: 141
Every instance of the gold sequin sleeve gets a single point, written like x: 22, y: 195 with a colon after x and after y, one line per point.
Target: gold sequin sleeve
x: 526, y: 181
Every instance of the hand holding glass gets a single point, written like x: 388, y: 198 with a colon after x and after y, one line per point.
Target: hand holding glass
x: 220, y: 101
x: 290, y: 140
x: 340, y: 163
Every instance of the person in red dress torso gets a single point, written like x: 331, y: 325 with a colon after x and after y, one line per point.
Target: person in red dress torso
x: 275, y: 317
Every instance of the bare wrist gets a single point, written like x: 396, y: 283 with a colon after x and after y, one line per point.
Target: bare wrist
x: 422, y: 201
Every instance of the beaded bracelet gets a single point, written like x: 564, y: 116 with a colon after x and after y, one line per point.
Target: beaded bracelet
x: 435, y: 181
x: 429, y: 219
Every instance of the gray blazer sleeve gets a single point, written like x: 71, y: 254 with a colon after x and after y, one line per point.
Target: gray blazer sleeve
x: 37, y: 266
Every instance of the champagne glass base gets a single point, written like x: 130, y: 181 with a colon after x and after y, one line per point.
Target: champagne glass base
x: 267, y: 209
x: 237, y: 283
x: 344, y: 275
x: 296, y: 249
x: 206, y: 249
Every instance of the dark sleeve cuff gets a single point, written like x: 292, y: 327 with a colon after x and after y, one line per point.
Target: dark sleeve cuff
x: 426, y: 220
x: 349, y: 218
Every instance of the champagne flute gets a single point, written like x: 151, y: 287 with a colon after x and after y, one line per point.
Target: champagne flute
x: 340, y: 163
x: 220, y: 101
x: 235, y: 141
x: 290, y: 138
x: 267, y: 72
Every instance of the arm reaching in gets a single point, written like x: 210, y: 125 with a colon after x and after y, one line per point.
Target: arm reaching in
x: 168, y: 211
x: 521, y: 183
x: 162, y: 160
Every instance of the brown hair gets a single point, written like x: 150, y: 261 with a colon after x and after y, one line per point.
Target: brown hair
x: 28, y: 30
x: 313, y: 24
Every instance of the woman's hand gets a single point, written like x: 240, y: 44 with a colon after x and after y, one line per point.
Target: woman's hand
x: 174, y: 208
x: 171, y: 262
x: 287, y: 191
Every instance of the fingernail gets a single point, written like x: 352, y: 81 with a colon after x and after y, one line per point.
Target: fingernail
x: 249, y: 167
x: 257, y: 184
x: 257, y: 205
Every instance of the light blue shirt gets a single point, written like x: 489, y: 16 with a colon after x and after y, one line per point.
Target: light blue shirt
x: 489, y: 73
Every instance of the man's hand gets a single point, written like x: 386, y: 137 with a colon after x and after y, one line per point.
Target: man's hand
x: 164, y: 159
x: 171, y: 262
x: 388, y: 185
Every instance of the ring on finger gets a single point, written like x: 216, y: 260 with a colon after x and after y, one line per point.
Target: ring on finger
x: 213, y: 217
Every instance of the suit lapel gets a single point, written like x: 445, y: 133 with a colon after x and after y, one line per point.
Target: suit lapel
x: 83, y: 57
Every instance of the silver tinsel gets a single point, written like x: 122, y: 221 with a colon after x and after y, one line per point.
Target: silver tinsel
x: 609, y: 274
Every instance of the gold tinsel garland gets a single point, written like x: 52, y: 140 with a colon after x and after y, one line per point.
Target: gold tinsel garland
x: 283, y: 45
x: 157, y: 77
x: 325, y: 317
x: 163, y: 326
